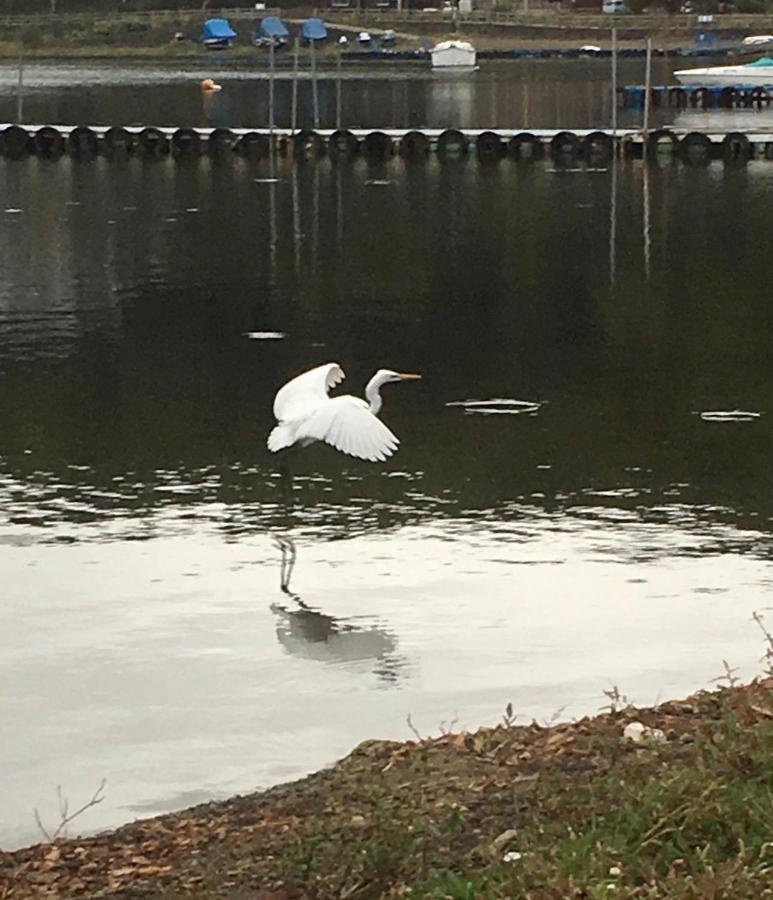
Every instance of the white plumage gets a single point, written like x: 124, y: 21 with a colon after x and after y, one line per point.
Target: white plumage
x: 306, y: 413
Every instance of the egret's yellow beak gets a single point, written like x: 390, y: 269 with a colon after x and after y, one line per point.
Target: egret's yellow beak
x: 408, y: 376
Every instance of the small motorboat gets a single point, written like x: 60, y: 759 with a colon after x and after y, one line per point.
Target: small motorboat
x: 363, y: 38
x: 758, y: 74
x: 454, y: 55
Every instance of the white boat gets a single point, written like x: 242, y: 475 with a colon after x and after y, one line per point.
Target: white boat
x: 456, y: 55
x: 757, y: 73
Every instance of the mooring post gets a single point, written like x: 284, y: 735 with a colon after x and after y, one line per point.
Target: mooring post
x: 271, y: 96
x: 314, y: 94
x: 338, y: 90
x: 647, y: 88
x: 20, y: 89
x: 614, y: 87
x: 294, y: 112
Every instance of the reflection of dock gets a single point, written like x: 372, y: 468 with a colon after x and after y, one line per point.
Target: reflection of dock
x: 709, y: 96
x: 596, y: 146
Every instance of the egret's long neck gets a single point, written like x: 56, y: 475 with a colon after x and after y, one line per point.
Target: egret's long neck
x: 373, y: 395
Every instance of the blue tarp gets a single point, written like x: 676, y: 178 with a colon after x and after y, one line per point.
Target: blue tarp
x: 273, y: 27
x: 217, y: 30
x: 313, y: 30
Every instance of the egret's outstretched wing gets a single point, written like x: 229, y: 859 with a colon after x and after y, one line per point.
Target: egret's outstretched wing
x: 307, y: 389
x: 347, y: 424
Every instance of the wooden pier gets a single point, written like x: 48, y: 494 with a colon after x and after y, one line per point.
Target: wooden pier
x: 595, y: 146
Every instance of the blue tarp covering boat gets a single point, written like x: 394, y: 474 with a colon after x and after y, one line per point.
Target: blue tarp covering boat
x: 313, y: 30
x: 273, y: 27
x: 217, y: 31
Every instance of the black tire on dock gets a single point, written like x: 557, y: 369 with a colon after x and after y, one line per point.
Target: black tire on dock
x: 598, y: 147
x: 414, y: 145
x: 452, y: 143
x: 525, y: 146
x: 490, y: 146
x: 677, y: 96
x: 15, y: 142
x: 308, y: 144
x: 695, y: 148
x: 760, y: 96
x: 343, y: 143
x: 254, y: 145
x: 221, y: 140
x: 186, y: 142
x: 82, y: 143
x: 736, y: 148
x: 118, y: 141
x: 152, y: 142
x: 377, y: 145
x: 728, y: 97
x: 48, y: 142
x: 662, y: 141
x: 565, y: 146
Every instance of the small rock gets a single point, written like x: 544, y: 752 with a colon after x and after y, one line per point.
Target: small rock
x: 512, y: 856
x: 637, y: 732
x: 358, y: 822
x: 615, y: 871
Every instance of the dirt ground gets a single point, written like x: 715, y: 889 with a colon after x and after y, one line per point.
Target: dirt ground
x: 394, y: 819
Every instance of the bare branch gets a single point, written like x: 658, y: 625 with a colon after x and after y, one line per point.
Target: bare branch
x: 413, y: 729
x: 65, y: 816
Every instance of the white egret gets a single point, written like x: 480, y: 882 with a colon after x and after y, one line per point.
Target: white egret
x: 306, y: 413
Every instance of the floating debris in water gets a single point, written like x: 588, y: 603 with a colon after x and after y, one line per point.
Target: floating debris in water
x: 497, y: 407
x: 264, y: 335
x: 574, y: 171
x: 379, y: 181
x: 732, y: 415
x: 192, y: 209
x: 12, y: 210
x: 268, y: 180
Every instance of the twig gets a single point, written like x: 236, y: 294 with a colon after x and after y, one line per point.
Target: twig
x: 65, y: 817
x: 413, y: 729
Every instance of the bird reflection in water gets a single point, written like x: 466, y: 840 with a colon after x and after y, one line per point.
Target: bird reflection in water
x: 310, y: 634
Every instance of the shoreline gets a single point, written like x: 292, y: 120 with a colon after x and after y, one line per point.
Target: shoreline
x: 503, y: 811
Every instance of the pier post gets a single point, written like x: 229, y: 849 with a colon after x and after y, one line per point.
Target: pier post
x: 614, y: 87
x: 271, y: 96
x: 338, y: 90
x: 314, y: 93
x: 647, y: 87
x: 294, y: 112
x: 20, y: 88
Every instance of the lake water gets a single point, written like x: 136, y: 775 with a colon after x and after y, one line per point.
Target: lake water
x: 611, y: 535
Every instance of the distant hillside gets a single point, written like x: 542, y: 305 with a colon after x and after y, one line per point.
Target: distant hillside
x: 72, y: 6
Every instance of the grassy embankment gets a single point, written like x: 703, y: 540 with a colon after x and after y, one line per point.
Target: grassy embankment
x: 572, y: 810
x: 144, y: 36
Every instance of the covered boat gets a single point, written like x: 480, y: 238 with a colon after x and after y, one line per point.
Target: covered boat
x: 313, y: 30
x: 758, y: 74
x: 217, y: 34
x: 457, y: 55
x: 272, y: 30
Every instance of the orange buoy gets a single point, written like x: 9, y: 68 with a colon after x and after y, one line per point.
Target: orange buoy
x: 208, y: 86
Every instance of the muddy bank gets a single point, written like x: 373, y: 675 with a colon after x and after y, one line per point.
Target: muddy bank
x: 678, y: 805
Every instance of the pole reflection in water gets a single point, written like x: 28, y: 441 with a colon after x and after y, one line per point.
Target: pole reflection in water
x: 307, y: 633
x: 646, y: 220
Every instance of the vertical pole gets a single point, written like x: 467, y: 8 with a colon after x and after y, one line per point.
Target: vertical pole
x: 271, y: 95
x: 338, y: 90
x: 614, y: 87
x: 314, y: 94
x: 20, y: 89
x: 646, y: 221
x: 647, y: 87
x: 294, y: 113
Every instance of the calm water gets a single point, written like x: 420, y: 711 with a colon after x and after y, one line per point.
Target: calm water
x: 612, y: 536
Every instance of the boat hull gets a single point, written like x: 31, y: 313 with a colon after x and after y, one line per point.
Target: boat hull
x: 727, y: 75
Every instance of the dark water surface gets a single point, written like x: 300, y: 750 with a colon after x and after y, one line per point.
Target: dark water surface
x: 612, y: 535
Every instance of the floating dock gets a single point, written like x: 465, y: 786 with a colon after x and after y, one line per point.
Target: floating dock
x: 681, y: 96
x: 596, y: 146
